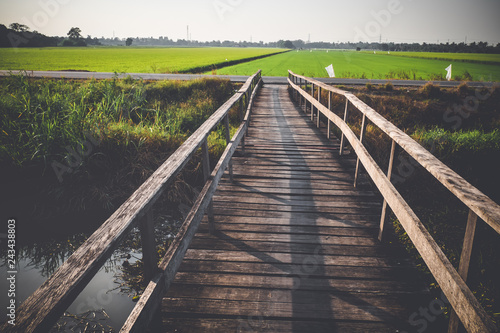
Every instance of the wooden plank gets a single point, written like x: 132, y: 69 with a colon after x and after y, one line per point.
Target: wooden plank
x: 309, y: 283
x: 387, y: 273
x: 301, y: 219
x: 302, y: 230
x: 177, y: 323
x: 463, y: 268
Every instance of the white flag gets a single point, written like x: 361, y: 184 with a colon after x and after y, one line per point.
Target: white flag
x: 330, y: 70
x: 448, y: 75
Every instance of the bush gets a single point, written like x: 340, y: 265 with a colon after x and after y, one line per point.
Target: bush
x: 389, y: 87
x: 430, y: 90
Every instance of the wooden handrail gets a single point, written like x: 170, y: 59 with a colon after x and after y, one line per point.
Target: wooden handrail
x: 479, y: 203
x: 466, y: 306
x: 44, y: 307
x: 155, y: 290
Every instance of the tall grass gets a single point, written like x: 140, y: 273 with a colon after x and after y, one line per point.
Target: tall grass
x: 121, y: 130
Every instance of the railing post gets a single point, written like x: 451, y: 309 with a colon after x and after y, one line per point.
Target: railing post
x: 346, y: 113
x: 361, y: 136
x: 305, y: 100
x: 206, y: 175
x: 242, y: 117
x: 312, y: 105
x: 328, y: 129
x: 247, y: 103
x: 228, y: 140
x: 318, y: 125
x: 149, y: 254
x: 300, y: 96
x: 463, y: 268
x: 384, y: 206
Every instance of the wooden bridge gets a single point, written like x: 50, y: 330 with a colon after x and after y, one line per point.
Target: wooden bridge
x: 285, y: 235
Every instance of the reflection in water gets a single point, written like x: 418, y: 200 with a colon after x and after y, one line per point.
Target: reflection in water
x: 108, y: 299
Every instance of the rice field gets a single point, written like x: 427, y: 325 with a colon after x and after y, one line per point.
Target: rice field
x: 246, y: 61
x: 371, y: 65
x: 126, y: 59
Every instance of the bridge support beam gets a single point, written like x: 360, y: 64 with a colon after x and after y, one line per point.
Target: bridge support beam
x: 328, y: 129
x: 463, y: 268
x: 342, y: 138
x: 149, y: 253
x: 206, y: 174
x: 384, y: 206
x: 361, y: 136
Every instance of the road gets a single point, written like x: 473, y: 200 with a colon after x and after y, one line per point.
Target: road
x: 234, y: 78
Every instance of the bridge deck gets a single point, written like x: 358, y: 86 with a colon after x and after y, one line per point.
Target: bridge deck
x: 296, y: 248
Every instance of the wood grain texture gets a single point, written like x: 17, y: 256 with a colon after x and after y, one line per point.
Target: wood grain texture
x: 295, y: 242
x: 463, y: 301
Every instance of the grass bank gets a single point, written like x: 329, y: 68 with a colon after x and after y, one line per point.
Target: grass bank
x: 70, y: 147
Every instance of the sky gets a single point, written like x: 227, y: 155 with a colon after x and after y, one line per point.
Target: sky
x: 265, y: 20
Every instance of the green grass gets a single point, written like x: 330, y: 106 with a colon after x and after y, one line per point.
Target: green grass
x: 465, y: 57
x: 352, y: 64
x: 124, y: 59
x: 347, y: 64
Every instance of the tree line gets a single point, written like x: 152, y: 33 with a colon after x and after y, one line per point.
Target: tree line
x: 19, y: 35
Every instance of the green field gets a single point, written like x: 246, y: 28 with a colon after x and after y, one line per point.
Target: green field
x: 467, y: 57
x: 124, y: 59
x: 352, y: 64
x: 347, y: 64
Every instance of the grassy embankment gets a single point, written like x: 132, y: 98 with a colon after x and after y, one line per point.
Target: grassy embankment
x: 70, y: 147
x: 461, y: 127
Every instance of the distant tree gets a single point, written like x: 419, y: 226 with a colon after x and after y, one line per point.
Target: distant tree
x: 129, y: 41
x: 358, y: 49
x: 19, y: 27
x: 75, y: 33
x: 288, y: 45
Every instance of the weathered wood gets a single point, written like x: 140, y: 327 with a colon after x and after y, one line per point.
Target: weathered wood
x: 329, y: 130
x: 482, y: 205
x: 318, y: 124
x: 463, y: 301
x: 148, y: 303
x: 149, y: 253
x: 228, y: 140
x: 463, y: 268
x: 361, y: 137
x: 346, y: 115
x: 273, y: 239
x: 312, y: 104
x: 206, y: 174
x: 44, y: 307
x: 384, y: 205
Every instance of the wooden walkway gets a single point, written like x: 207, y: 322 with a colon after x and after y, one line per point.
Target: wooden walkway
x: 296, y: 248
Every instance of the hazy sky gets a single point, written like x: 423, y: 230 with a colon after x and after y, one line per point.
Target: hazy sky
x: 264, y: 20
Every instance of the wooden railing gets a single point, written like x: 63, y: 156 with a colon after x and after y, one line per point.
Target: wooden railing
x: 452, y: 283
x: 44, y: 307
